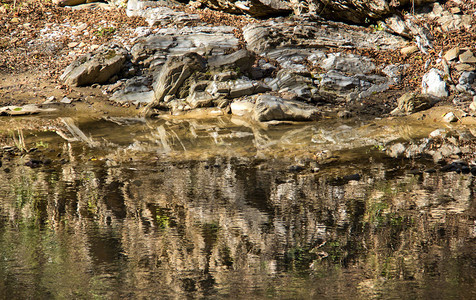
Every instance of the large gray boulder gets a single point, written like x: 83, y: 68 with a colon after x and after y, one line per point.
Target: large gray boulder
x: 152, y: 51
x: 466, y: 82
x: 172, y: 75
x: 242, y: 60
x: 288, y: 81
x: 97, y: 67
x: 267, y: 37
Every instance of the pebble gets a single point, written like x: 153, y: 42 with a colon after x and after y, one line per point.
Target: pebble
x: 66, y: 100
x: 455, y: 10
x: 467, y: 57
x: 472, y: 106
x: 437, y: 133
x: 452, y: 54
x: 345, y: 114
x: 464, y: 67
x: 73, y: 44
x: 450, y: 117
x: 82, y: 27
x: 408, y: 50
x: 33, y: 163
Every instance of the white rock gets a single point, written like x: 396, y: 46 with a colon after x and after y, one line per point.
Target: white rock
x: 433, y: 84
x: 450, y: 117
x: 472, y: 106
x: 241, y: 108
x: 437, y: 133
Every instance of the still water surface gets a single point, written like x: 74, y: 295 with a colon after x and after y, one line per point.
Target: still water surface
x: 165, y: 210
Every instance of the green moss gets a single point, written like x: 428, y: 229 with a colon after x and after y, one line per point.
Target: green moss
x: 107, y: 31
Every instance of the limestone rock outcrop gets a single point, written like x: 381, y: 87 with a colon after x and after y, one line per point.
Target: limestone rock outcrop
x: 97, y: 67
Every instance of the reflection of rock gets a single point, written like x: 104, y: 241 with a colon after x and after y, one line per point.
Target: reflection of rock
x: 98, y: 67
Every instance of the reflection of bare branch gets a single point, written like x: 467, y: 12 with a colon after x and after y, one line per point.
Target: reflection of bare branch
x: 77, y: 134
x: 180, y: 141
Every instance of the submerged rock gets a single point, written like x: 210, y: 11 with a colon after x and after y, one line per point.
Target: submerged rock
x: 269, y: 108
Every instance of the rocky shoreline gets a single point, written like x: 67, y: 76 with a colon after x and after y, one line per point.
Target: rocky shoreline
x: 278, y: 69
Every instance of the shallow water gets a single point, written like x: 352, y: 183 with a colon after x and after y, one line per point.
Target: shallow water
x: 218, y: 209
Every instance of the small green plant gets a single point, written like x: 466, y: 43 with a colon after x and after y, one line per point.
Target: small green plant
x: 41, y: 144
x: 378, y: 27
x: 105, y: 31
x: 163, y: 221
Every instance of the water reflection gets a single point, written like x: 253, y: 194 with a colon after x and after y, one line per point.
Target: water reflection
x: 200, y: 138
x: 221, y: 227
